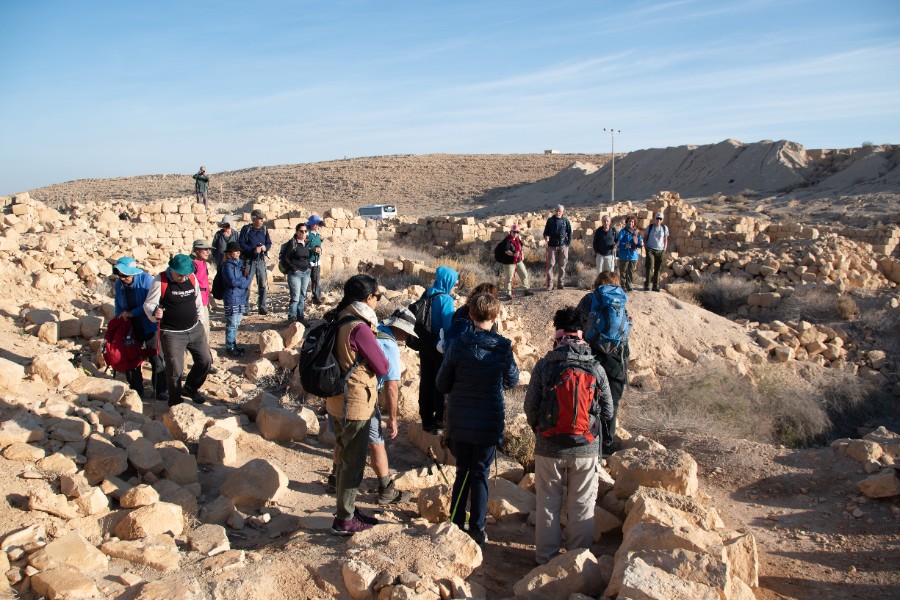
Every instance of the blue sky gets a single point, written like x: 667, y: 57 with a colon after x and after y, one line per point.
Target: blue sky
x: 108, y: 89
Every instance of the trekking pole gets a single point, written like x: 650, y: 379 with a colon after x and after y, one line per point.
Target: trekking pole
x: 512, y: 284
x: 547, y: 267
x: 432, y: 460
x: 458, y: 498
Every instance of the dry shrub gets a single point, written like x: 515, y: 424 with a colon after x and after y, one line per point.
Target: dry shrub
x: 334, y: 281
x: 582, y: 275
x: 772, y: 404
x: 814, y: 303
x: 686, y: 292
x: 724, y: 294
x: 847, y: 307
x: 518, y: 438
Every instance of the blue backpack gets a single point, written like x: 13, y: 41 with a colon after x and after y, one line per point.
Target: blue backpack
x: 608, y: 323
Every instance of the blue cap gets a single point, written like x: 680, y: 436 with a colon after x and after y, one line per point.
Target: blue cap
x: 126, y: 266
x: 314, y: 220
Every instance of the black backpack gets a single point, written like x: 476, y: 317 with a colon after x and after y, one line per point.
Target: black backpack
x: 218, y: 286
x: 421, y: 308
x: 500, y: 254
x: 320, y: 373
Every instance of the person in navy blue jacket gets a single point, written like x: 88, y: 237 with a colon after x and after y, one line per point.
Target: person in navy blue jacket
x: 132, y: 285
x: 236, y: 283
x: 477, y: 367
x: 255, y: 245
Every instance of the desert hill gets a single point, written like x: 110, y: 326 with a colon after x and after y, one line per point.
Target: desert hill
x: 776, y: 172
x: 418, y: 185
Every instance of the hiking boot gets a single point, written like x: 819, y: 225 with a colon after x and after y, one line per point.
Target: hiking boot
x: 263, y: 311
x: 478, y: 536
x: 347, y: 527
x: 331, y: 486
x: 528, y: 293
x: 233, y: 352
x: 364, y: 518
x: 560, y: 286
x: 391, y: 495
x: 194, y: 395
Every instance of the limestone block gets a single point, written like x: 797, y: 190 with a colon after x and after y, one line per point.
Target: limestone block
x: 92, y: 502
x: 783, y: 353
x: 743, y: 558
x: 281, y: 425
x: 270, y: 344
x: 434, y: 503
x: 20, y: 451
x: 255, y: 483
x: 218, y: 446
x: 180, y: 466
x: 70, y: 429
x: 157, y: 551
x: 419, y: 479
x: 641, y: 580
x: 508, y: 501
x: 884, y: 484
x: 64, y: 583
x: 144, y: 457
x: 103, y: 460
x: 574, y: 572
x: 23, y: 427
x: 673, y: 470
x: 259, y: 369
x: 98, y: 388
x: 650, y: 510
x: 185, y: 422
x: 654, y: 536
x: 863, y: 450
x: 209, y: 539
x: 90, y: 326
x: 50, y: 503
x: 509, y: 469
x: 11, y: 374
x: 605, y: 522
x: 288, y: 359
x: 171, y: 492
x: 358, y: 578
x: 704, y: 517
x: 70, y: 550
x: 252, y: 407
x: 55, y: 369
x: 138, y: 496
x: 162, y: 517
x: 57, y: 464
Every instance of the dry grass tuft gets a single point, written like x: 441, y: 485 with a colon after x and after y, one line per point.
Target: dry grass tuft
x: 724, y: 294
x: 816, y: 304
x: 686, y: 292
x: 847, y: 307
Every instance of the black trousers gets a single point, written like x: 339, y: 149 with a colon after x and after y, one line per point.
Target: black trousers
x: 314, y: 284
x: 431, y: 402
x: 616, y: 369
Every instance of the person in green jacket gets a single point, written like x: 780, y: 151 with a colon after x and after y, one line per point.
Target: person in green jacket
x: 201, y: 186
x: 315, y: 250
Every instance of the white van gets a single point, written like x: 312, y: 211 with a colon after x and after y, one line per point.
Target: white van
x: 377, y: 211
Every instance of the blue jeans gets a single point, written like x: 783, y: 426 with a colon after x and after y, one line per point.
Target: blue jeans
x: 257, y: 268
x: 473, y: 464
x: 298, y: 282
x: 231, y: 326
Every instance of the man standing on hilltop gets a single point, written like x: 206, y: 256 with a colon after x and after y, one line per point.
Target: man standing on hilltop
x: 657, y: 236
x: 255, y: 244
x: 558, y: 236
x: 201, y: 186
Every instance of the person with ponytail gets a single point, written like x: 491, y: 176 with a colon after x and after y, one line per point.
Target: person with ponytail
x: 362, y: 362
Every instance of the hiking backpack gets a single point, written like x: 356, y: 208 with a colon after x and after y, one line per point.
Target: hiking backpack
x: 320, y: 372
x: 286, y: 249
x: 217, y: 289
x: 500, y: 254
x: 121, y: 351
x: 568, y: 413
x: 421, y: 308
x: 608, y: 323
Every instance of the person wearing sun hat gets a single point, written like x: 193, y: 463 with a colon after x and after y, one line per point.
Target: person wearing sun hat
x: 657, y: 240
x: 256, y: 244
x: 175, y: 303
x: 315, y: 248
x: 513, y: 263
x: 221, y: 239
x: 131, y: 289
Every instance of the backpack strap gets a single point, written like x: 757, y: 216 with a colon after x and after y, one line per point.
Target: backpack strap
x: 356, y: 362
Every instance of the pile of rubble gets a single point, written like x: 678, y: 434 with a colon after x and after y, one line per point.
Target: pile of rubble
x: 878, y: 452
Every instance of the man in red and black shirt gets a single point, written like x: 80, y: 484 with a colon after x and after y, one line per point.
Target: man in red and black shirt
x: 175, y: 303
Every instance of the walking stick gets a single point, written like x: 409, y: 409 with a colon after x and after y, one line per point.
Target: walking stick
x: 432, y: 460
x: 458, y: 498
x: 547, y: 265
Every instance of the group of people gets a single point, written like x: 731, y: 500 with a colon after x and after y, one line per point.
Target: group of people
x: 615, y: 250
x: 465, y: 366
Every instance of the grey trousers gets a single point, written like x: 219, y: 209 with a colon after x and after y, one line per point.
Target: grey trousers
x: 172, y: 345
x: 557, y: 259
x: 570, y: 481
x: 257, y: 268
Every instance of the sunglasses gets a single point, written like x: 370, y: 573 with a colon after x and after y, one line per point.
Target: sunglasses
x: 121, y: 276
x: 302, y: 230
x: 377, y: 295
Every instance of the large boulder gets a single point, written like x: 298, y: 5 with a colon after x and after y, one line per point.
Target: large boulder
x: 157, y: 551
x: 254, y: 484
x: 103, y: 460
x: 573, y: 572
x: 672, y: 470
x: 64, y: 583
x: 145, y: 457
x: 883, y: 484
x: 434, y: 503
x: 280, y: 425
x: 71, y: 550
x: 55, y: 369
x: 162, y: 517
x: 262, y: 400
x: 218, y: 446
x: 185, y: 422
x: 21, y: 427
x: 507, y: 500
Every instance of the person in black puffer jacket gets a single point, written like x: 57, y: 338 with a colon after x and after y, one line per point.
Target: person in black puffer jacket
x: 477, y: 367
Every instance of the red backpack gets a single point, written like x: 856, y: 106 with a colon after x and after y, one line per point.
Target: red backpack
x: 568, y: 411
x: 120, y: 350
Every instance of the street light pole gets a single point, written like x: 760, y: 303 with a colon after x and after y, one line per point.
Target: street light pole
x: 612, y: 134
